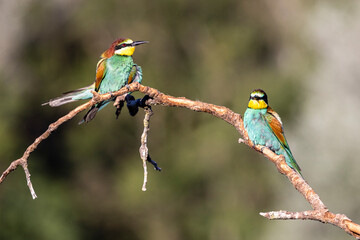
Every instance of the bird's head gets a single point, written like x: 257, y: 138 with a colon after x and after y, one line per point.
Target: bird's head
x: 123, y: 47
x: 258, y: 99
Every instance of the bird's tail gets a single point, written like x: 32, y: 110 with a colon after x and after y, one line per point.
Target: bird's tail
x: 92, y: 112
x: 78, y: 94
x: 291, y: 162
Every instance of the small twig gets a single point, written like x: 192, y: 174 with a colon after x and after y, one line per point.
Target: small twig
x: 22, y: 162
x: 324, y: 216
x: 143, y: 188
x: 28, y: 181
x: 285, y: 215
x: 144, y: 151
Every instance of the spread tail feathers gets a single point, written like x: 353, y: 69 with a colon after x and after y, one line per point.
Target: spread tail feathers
x: 78, y: 94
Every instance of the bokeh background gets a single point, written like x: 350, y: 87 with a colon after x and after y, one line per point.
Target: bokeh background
x: 304, y: 54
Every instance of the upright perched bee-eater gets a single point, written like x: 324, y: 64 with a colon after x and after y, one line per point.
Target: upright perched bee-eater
x: 265, y: 128
x: 114, y: 70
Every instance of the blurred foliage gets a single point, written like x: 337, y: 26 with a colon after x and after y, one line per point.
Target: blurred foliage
x: 88, y: 177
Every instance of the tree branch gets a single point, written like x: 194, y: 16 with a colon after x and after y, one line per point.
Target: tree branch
x: 144, y: 151
x: 319, y: 213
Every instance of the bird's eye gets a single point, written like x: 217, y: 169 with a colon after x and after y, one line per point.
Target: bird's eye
x: 123, y: 45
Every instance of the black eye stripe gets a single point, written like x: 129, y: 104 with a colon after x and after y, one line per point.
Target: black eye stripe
x: 257, y: 97
x: 117, y: 47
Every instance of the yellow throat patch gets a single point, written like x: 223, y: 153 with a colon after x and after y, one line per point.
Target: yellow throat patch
x: 127, y: 51
x: 257, y: 104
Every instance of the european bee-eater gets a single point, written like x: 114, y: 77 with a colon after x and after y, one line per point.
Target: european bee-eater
x: 114, y: 70
x: 264, y: 127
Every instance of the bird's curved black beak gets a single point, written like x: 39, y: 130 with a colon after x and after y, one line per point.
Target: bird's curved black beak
x: 138, y: 43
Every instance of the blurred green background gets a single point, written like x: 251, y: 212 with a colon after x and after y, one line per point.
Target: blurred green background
x: 304, y: 54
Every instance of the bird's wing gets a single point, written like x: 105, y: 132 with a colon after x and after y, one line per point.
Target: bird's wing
x: 135, y: 74
x: 274, y: 122
x: 100, y: 73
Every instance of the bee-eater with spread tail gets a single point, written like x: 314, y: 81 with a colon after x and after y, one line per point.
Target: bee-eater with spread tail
x: 114, y: 70
x: 265, y: 128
